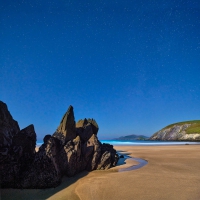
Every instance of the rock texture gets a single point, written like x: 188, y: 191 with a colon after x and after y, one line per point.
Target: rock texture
x: 86, y: 128
x: 66, y: 130
x: 71, y: 149
x: 17, y: 148
x: 8, y: 126
x: 176, y: 132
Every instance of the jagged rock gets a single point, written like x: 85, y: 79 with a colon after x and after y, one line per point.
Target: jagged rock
x: 26, y: 138
x: 73, y: 161
x: 19, y: 158
x: 95, y: 126
x: 45, y: 171
x: 92, y: 152
x: 68, y: 151
x: 8, y: 127
x: 109, y: 157
x: 86, y: 128
x: 46, y: 138
x: 66, y: 130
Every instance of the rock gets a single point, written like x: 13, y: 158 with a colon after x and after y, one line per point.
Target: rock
x: 178, y: 132
x: 46, y: 138
x: 45, y: 171
x: 94, y: 124
x: 26, y: 138
x: 109, y: 157
x: 92, y: 152
x: 8, y: 127
x: 17, y: 148
x: 66, y: 130
x: 67, y: 152
x: 86, y: 128
x: 19, y: 158
x: 73, y: 161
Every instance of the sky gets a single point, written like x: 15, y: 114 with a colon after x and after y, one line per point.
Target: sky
x: 133, y: 66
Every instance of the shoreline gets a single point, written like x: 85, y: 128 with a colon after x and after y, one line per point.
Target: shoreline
x: 172, y: 172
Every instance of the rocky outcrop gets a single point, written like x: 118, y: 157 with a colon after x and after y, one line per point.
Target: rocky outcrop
x: 176, y: 132
x: 8, y: 127
x: 109, y: 157
x: 66, y: 130
x: 17, y: 148
x: 70, y: 150
x: 44, y: 172
x: 86, y: 128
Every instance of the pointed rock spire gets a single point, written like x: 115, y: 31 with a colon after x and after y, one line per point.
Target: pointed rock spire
x: 66, y: 130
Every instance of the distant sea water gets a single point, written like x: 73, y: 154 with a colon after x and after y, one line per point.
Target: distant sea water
x: 139, y: 143
x: 145, y: 142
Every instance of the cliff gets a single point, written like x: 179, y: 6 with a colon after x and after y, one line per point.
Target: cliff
x: 182, y: 131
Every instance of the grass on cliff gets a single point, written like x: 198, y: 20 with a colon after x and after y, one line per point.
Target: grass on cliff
x: 194, y: 128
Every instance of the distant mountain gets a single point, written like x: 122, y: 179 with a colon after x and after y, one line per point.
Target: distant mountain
x: 132, y: 137
x: 181, y: 131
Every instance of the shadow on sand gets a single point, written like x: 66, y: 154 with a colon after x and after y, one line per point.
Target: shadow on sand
x: 67, y: 182
x: 40, y: 194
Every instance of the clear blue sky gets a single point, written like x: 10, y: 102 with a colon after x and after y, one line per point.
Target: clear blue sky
x: 134, y: 66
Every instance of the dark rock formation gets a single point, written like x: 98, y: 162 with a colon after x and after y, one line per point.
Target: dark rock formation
x: 46, y: 138
x: 68, y: 151
x: 20, y: 155
x: 8, y: 126
x: 92, y: 152
x: 86, y: 128
x: 109, y: 157
x: 45, y: 170
x: 66, y: 130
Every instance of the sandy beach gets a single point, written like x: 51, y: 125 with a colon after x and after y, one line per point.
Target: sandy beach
x: 172, y: 172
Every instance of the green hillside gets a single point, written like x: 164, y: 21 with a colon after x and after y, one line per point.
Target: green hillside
x: 194, y: 128
x: 132, y: 137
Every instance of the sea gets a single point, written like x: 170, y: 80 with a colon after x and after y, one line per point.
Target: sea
x: 140, y: 143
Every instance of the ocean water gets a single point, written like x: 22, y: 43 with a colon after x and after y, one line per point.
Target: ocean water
x: 139, y: 143
x: 146, y: 143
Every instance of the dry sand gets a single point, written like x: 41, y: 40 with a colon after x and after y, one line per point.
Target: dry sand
x: 172, y: 172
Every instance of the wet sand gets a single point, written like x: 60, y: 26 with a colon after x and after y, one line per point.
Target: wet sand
x: 172, y: 172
